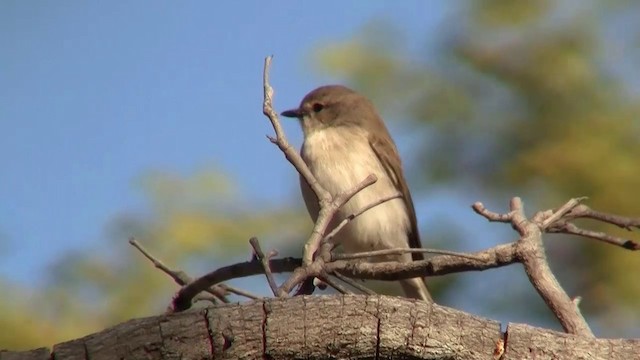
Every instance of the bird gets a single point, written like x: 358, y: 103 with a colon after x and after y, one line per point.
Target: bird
x: 345, y: 140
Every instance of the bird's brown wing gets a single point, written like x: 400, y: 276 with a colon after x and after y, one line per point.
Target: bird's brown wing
x: 388, y: 156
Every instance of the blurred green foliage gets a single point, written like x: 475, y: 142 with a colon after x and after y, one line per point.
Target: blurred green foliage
x: 195, y: 222
x: 518, y: 97
x: 523, y: 98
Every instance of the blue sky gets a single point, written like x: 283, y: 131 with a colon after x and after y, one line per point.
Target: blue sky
x: 96, y: 93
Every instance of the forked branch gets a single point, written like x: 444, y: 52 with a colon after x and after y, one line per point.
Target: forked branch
x: 319, y: 262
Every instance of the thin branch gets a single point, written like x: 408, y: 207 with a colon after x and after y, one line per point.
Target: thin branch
x: 327, y: 203
x: 179, y: 277
x: 326, y: 214
x: 583, y: 211
x: 264, y: 260
x: 239, y: 292
x: 400, y: 251
x: 182, y: 299
x: 494, y: 257
x: 479, y: 208
x: 569, y: 228
x: 564, y: 209
x: 530, y: 251
x: 302, y: 275
x: 329, y: 281
x: 351, y: 217
x: 354, y: 283
x: 281, y: 141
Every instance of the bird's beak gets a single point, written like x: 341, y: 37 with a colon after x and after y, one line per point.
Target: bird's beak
x: 293, y: 113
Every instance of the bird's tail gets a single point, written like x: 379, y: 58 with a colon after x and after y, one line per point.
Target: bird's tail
x: 416, y: 288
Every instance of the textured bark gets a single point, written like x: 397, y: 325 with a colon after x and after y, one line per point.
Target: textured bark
x: 528, y: 342
x: 36, y: 354
x: 321, y: 327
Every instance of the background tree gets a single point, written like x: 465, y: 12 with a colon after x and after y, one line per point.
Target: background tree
x: 536, y: 99
x: 528, y: 98
x: 193, y: 221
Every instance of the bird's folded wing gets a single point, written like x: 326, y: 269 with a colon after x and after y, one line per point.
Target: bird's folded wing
x: 388, y: 156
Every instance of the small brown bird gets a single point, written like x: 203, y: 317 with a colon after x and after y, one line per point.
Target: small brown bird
x: 345, y: 141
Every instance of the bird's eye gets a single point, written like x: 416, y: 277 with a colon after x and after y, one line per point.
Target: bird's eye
x: 317, y: 107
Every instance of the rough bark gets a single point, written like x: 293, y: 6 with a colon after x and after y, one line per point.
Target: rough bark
x: 322, y: 327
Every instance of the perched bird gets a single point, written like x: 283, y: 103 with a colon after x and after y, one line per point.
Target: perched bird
x: 345, y: 141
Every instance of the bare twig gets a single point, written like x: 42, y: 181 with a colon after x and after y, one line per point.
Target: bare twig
x: 583, y: 211
x: 479, y: 208
x: 328, y: 204
x: 323, y: 196
x: 264, y: 260
x: 498, y: 256
x: 564, y: 209
x: 179, y: 277
x: 354, y: 283
x: 239, y: 292
x: 281, y: 141
x: 326, y: 214
x: 302, y: 275
x: 528, y: 250
x: 531, y: 253
x: 341, y: 289
x: 400, y: 251
x: 569, y: 228
x: 351, y: 217
x: 495, y: 257
x: 182, y: 299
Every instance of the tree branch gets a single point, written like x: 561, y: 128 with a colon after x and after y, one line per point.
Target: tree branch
x: 528, y: 249
x: 264, y: 261
x: 328, y: 204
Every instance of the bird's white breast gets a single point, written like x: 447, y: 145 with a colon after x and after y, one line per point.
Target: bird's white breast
x: 341, y: 158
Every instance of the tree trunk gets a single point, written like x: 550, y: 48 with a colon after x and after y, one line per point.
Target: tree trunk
x: 329, y: 327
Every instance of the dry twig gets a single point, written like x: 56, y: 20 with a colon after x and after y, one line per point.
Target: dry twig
x: 530, y: 252
x: 494, y: 257
x: 581, y: 211
x: 399, y: 251
x: 264, y: 260
x: 351, y: 217
x: 341, y: 289
x: 179, y: 277
x: 528, y: 249
x: 354, y: 283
